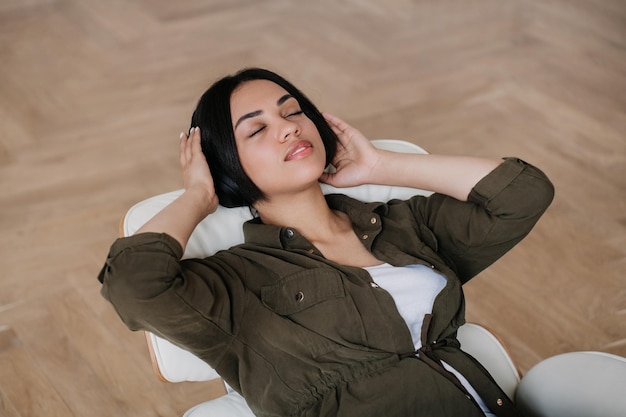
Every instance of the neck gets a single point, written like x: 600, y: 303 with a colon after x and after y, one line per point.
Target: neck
x: 308, y: 212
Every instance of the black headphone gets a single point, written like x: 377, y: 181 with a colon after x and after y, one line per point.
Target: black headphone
x: 228, y: 192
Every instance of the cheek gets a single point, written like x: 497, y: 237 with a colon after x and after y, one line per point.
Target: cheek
x: 255, y: 161
x: 314, y: 131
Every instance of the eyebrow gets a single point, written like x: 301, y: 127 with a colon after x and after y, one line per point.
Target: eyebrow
x: 255, y: 113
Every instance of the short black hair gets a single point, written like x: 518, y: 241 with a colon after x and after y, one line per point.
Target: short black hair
x: 212, y: 115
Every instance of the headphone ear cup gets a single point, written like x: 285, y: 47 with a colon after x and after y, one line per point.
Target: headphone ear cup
x: 228, y: 192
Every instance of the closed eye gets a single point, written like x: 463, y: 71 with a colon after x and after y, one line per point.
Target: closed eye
x: 257, y: 131
x: 292, y: 114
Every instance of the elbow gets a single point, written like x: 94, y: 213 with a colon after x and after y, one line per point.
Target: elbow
x: 136, y: 296
x: 140, y: 276
x: 549, y: 194
x: 526, y: 197
x: 128, y: 301
x: 541, y: 195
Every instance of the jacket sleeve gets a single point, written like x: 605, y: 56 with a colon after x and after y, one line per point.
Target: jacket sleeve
x: 188, y: 302
x: 501, y: 210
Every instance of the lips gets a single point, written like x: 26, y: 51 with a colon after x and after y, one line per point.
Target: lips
x: 298, y: 149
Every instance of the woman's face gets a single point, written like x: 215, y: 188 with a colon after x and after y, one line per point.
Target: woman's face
x: 279, y: 147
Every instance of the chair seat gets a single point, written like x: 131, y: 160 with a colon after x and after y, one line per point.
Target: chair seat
x: 229, y: 405
x: 576, y: 384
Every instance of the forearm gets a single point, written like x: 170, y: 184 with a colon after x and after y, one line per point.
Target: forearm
x: 180, y: 218
x: 454, y: 176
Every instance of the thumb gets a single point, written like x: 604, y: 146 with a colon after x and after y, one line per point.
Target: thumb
x: 329, y: 174
x: 326, y: 178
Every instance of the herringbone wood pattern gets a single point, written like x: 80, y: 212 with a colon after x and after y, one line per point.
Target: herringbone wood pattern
x: 93, y: 95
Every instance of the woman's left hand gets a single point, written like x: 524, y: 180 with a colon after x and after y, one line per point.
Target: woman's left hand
x: 356, y: 157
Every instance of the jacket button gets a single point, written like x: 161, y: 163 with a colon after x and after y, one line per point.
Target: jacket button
x: 364, y: 237
x: 499, y: 402
x: 289, y: 233
x: 373, y: 220
x: 299, y: 296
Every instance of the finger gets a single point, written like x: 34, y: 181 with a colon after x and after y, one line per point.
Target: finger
x: 196, y: 141
x: 343, y: 130
x: 336, y: 122
x: 332, y: 122
x: 189, y: 145
x: 181, y: 148
x: 330, y: 117
x: 326, y: 178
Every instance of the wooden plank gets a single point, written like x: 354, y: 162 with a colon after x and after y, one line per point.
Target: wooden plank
x: 25, y: 390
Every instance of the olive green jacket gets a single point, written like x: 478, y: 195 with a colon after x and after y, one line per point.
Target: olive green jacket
x: 299, y: 335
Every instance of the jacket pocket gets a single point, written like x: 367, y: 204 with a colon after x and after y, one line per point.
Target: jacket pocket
x: 302, y: 290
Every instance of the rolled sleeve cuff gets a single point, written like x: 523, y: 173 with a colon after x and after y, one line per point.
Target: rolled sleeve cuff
x: 159, y: 241
x: 496, y: 181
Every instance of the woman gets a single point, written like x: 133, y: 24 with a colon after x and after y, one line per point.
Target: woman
x: 332, y: 307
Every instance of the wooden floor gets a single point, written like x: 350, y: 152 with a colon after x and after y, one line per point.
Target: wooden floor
x: 93, y: 95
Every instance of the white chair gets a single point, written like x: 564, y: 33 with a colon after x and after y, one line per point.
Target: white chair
x: 174, y: 364
x: 575, y: 384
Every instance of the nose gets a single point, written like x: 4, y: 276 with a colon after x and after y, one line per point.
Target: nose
x: 289, y: 128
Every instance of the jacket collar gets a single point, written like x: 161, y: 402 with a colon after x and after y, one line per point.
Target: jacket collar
x: 365, y: 220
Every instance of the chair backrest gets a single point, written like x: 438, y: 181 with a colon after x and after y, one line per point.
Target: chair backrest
x: 174, y: 364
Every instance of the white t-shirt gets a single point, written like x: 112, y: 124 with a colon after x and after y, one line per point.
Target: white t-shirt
x: 414, y: 289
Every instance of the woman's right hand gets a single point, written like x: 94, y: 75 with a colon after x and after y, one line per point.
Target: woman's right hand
x: 197, y: 177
